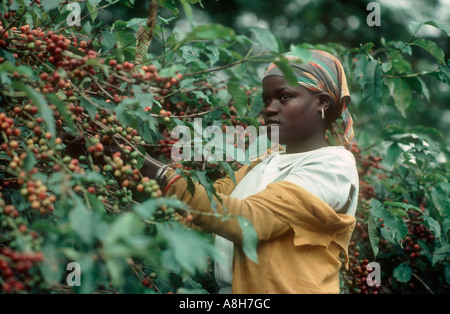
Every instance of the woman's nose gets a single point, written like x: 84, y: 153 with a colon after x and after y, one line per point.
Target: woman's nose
x: 271, y: 109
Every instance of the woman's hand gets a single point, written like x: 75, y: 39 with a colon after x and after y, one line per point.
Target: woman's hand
x: 75, y: 147
x: 151, y: 167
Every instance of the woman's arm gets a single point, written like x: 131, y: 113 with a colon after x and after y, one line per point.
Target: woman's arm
x: 281, y: 207
x: 264, y: 221
x: 152, y: 166
x: 256, y: 210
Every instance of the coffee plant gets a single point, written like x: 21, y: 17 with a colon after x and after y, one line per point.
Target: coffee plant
x: 84, y: 101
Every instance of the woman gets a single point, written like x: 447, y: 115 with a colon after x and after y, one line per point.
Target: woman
x: 301, y: 203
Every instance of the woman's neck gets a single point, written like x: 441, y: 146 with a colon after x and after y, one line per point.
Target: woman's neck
x: 311, y: 144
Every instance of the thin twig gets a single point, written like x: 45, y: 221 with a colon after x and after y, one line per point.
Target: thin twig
x: 216, y: 68
x: 411, y: 74
x: 17, y: 19
x: 426, y: 286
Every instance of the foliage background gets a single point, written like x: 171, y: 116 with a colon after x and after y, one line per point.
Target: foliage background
x: 400, y: 94
x: 342, y: 22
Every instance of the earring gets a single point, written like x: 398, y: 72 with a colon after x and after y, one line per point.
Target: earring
x: 323, y: 115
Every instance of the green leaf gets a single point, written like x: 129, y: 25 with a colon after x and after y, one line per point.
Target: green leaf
x: 228, y: 170
x: 400, y: 65
x: 93, y: 15
x: 147, y: 208
x: 204, y: 181
x: 107, y: 41
x: 444, y: 74
x: 444, y: 28
x: 303, y: 54
x: 440, y: 196
x: 394, y: 229
x: 372, y: 86
x: 239, y: 97
x: 283, y: 65
x: 82, y: 222
x: 358, y: 72
x: 147, y: 129
x: 171, y: 6
x: 49, y: 5
x: 373, y: 236
x: 402, y: 272
x: 249, y: 238
x: 441, y: 254
x: 402, y: 95
x: 393, y: 153
x: 164, y: 20
x: 94, y: 3
x: 447, y: 273
x: 265, y: 38
x: 88, y: 177
x: 364, y: 140
x: 115, y: 269
x: 62, y: 109
x: 211, y: 32
x: 39, y: 100
x: 433, y: 225
x: 402, y: 47
x: 188, y: 11
x: 386, y: 66
x: 171, y: 70
x: 52, y: 269
x: 29, y: 162
x: 90, y: 109
x: 191, y: 287
x: 125, y: 115
x: 432, y: 48
x: 124, y: 228
x: 418, y: 85
x: 188, y: 248
x: 414, y: 27
x: 88, y: 278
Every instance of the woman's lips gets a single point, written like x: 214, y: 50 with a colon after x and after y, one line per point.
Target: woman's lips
x: 272, y: 122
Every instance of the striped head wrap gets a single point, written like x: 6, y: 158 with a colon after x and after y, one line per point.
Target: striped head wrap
x: 324, y: 73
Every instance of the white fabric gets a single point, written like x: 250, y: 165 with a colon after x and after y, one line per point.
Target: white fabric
x: 327, y: 172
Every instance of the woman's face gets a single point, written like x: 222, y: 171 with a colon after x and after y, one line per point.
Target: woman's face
x: 295, y: 110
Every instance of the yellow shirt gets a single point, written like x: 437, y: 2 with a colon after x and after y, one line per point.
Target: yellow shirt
x: 327, y: 172
x: 300, y: 235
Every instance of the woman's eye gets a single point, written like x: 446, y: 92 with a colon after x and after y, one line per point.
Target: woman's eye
x: 285, y: 97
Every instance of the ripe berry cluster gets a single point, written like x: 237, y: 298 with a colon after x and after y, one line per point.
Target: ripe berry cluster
x: 16, y: 270
x: 366, y: 164
x: 17, y: 266
x: 78, y: 91
x: 34, y: 190
x: 416, y: 232
x: 359, y: 269
x: 165, y: 147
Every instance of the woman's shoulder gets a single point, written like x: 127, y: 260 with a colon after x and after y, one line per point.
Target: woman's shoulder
x: 332, y: 155
x: 339, y: 153
x: 328, y: 173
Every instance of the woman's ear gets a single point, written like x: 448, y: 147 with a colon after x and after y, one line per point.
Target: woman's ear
x: 324, y: 101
